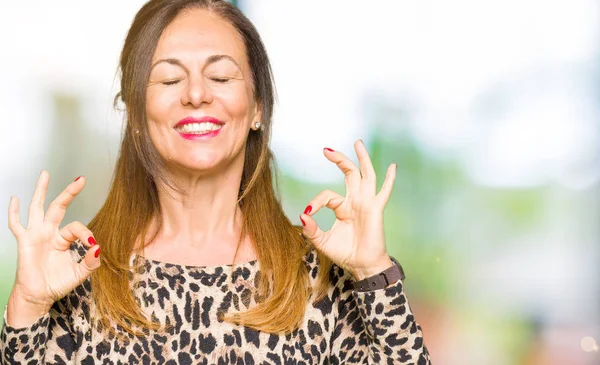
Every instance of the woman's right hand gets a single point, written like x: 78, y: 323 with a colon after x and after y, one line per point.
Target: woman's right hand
x: 45, y: 270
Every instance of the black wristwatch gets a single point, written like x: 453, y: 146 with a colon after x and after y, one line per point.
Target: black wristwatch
x: 381, y: 280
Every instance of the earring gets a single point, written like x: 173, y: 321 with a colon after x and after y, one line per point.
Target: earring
x: 257, y: 125
x: 137, y: 131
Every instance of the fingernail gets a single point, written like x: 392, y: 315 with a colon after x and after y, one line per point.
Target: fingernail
x: 329, y: 149
x: 308, y: 209
x: 303, y: 222
x: 97, y: 252
x: 78, y: 177
x: 91, y: 240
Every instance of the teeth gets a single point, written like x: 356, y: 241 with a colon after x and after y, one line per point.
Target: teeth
x: 198, y: 128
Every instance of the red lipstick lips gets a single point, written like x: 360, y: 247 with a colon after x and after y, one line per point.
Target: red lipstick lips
x: 205, y: 119
x: 199, y: 136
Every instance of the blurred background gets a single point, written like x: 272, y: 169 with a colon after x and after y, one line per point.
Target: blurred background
x: 490, y: 109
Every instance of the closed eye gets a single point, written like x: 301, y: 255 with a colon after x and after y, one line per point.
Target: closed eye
x: 170, y: 82
x: 220, y: 79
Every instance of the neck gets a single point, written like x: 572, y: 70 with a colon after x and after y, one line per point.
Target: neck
x: 207, y: 214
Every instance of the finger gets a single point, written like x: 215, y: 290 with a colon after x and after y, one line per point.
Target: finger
x: 388, y: 183
x: 58, y: 208
x: 90, y: 262
x: 326, y: 198
x: 36, y: 208
x: 311, y: 230
x: 351, y: 172
x: 14, y: 221
x: 366, y: 167
x: 74, y: 231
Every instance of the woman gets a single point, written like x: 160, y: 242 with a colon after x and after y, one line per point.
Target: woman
x: 193, y: 192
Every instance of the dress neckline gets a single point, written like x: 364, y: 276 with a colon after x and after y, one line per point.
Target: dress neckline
x: 193, y: 267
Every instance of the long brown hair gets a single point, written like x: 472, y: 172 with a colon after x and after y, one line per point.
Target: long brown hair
x: 284, y: 288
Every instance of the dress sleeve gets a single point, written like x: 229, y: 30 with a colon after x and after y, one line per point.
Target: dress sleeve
x: 375, y: 327
x: 51, y: 339
x: 31, y: 345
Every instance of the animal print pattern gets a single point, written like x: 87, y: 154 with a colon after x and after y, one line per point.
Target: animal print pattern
x: 347, y: 327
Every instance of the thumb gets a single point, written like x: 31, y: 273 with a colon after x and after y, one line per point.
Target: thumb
x: 311, y: 230
x: 90, y: 262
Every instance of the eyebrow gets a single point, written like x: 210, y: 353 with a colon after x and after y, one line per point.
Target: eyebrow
x: 210, y: 60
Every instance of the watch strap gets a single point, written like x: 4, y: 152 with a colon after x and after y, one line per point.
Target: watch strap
x: 381, y: 280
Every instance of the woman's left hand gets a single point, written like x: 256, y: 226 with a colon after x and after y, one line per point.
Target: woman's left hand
x: 356, y: 241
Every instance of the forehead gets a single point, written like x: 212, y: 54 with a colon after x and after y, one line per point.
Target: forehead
x: 197, y: 34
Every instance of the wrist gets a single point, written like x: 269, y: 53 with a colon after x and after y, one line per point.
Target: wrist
x: 380, y: 266
x: 21, y: 312
x: 22, y: 298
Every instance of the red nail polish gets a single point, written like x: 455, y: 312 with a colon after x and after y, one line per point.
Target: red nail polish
x: 308, y: 209
x: 91, y: 240
x: 78, y: 177
x: 97, y: 253
x: 303, y: 222
x: 329, y: 149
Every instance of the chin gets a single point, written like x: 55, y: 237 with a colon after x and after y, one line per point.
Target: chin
x: 203, y: 161
x: 198, y: 165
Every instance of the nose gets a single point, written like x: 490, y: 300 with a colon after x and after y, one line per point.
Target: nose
x: 196, y: 93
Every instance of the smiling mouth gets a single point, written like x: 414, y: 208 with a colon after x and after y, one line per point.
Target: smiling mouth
x: 198, y: 128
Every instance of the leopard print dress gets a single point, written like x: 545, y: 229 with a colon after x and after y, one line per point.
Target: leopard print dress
x: 347, y: 327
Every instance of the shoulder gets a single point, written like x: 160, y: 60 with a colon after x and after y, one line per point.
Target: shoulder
x: 339, y: 279
x: 77, y: 250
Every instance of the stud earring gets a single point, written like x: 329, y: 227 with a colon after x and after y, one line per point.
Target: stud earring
x: 137, y: 131
x: 257, y: 125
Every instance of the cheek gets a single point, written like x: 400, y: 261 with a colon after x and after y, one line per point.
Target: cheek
x: 158, y: 104
x: 235, y: 101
